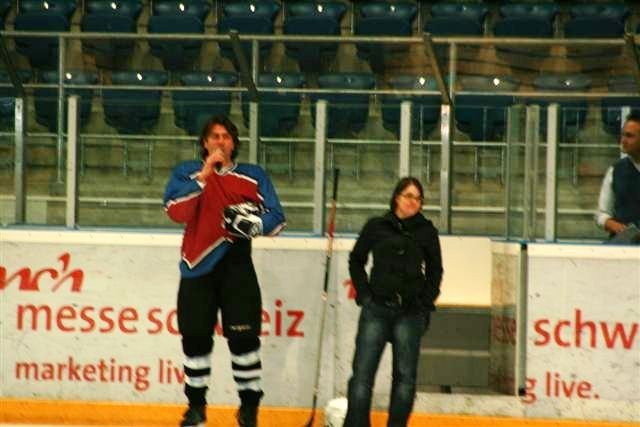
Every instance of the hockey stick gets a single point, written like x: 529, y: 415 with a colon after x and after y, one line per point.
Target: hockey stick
x: 330, y: 229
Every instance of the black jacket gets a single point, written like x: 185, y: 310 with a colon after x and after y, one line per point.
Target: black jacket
x: 407, y: 262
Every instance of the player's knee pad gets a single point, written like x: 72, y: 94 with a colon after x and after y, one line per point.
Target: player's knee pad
x: 240, y: 344
x: 197, y: 345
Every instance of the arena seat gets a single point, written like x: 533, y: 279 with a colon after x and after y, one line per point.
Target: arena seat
x: 572, y: 112
x: 481, y: 112
x: 347, y: 113
x: 5, y: 6
x: 606, y: 20
x: 46, y: 99
x: 193, y: 108
x: 131, y: 8
x: 110, y: 17
x: 456, y: 19
x: 196, y: 8
x: 278, y: 115
x: 280, y: 110
x: 385, y: 9
x: 530, y: 20
x: 483, y: 116
x: 176, y: 54
x: 611, y: 108
x: 245, y: 25
x: 42, y: 52
x: 381, y: 18
x: 263, y: 8
x: 313, y: 19
x: 132, y: 111
x: 425, y: 108
x: 64, y: 8
x: 333, y: 9
x: 247, y: 17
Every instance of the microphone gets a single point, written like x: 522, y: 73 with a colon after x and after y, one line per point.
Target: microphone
x: 217, y: 165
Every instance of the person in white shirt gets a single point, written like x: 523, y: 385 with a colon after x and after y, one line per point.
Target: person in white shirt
x: 619, y: 201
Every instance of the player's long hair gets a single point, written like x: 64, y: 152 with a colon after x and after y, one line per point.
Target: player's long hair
x: 225, y: 122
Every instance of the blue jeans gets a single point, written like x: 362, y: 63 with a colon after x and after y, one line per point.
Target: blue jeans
x: 377, y: 326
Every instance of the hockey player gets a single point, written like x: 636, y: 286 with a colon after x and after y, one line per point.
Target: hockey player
x: 223, y: 205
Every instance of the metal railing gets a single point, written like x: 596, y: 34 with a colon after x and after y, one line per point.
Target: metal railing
x: 447, y: 115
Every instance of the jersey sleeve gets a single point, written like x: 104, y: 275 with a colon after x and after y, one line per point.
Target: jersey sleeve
x: 273, y: 219
x: 182, y: 193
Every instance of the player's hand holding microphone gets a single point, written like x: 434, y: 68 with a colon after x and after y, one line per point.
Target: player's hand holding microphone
x: 213, y: 162
x: 243, y: 220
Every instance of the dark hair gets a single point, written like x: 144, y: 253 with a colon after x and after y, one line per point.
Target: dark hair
x: 634, y: 116
x: 400, y: 187
x: 225, y: 122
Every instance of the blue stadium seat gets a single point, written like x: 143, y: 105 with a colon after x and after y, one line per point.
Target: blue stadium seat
x: 313, y: 19
x: 7, y: 97
x: 611, y: 108
x: 196, y: 8
x: 64, y: 8
x: 594, y: 27
x: 546, y: 11
x: 42, y: 52
x: 263, y: 8
x: 483, y: 116
x: 5, y: 6
x: 616, y: 11
x: 110, y: 17
x: 572, y: 113
x: 46, y: 99
x: 133, y: 111
x: 348, y: 113
x: 596, y: 21
x: 280, y: 110
x: 131, y: 8
x: 386, y: 9
x: 248, y: 17
x: 380, y: 18
x: 376, y: 54
x: 455, y: 19
x: 176, y: 54
x: 481, y: 112
x: 425, y: 108
x: 333, y: 9
x: 247, y: 25
x: 278, y: 115
x: 194, y: 107
x: 530, y: 20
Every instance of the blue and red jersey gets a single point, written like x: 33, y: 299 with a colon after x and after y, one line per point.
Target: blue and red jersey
x: 200, y: 207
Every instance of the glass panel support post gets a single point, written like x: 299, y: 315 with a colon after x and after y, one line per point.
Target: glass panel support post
x: 19, y: 163
x: 551, y: 186
x: 532, y: 140
x: 319, y: 174
x: 446, y: 131
x: 71, y: 164
x: 404, y: 166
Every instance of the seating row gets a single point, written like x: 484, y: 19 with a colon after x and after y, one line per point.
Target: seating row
x: 377, y: 18
x: 480, y: 108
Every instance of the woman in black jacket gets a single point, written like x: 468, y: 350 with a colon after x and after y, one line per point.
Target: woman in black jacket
x: 397, y: 299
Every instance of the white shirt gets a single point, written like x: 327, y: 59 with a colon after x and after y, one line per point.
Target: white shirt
x: 607, y: 199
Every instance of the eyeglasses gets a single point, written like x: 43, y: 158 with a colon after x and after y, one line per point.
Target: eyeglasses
x: 411, y: 197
